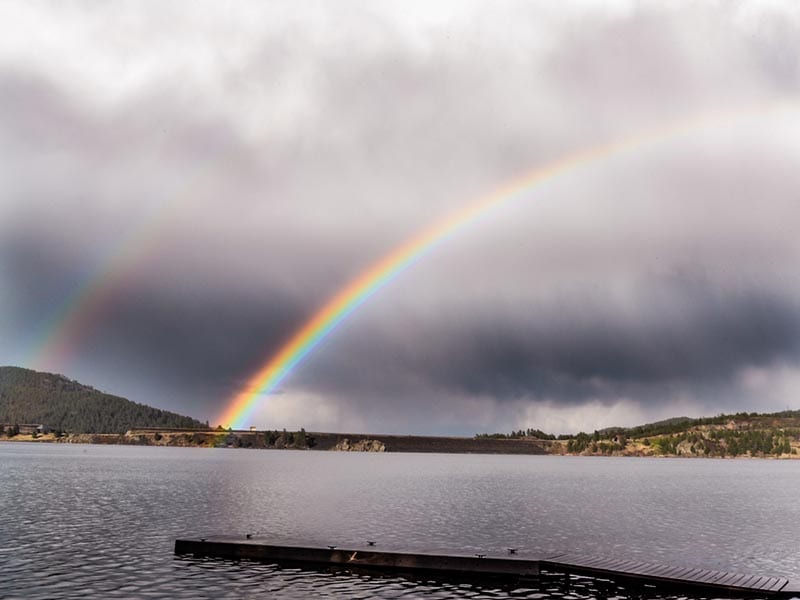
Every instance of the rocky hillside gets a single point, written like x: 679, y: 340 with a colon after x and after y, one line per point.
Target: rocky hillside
x: 62, y: 404
x: 743, y: 434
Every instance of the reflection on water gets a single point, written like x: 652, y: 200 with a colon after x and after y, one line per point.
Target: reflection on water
x: 98, y: 521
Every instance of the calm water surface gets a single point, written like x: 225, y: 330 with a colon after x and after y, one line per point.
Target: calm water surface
x: 100, y: 521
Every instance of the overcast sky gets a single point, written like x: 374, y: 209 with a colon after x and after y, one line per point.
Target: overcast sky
x: 229, y: 166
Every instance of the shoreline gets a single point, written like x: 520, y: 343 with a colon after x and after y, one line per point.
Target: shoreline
x: 348, y: 442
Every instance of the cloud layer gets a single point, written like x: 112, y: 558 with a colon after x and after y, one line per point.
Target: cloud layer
x: 232, y: 170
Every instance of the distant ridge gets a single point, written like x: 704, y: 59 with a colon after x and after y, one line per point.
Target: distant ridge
x: 670, y: 423
x: 28, y: 396
x: 741, y: 434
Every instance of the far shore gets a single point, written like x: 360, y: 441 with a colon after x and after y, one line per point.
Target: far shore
x: 327, y: 441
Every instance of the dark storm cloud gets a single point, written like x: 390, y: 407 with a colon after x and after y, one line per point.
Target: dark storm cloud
x: 204, y: 342
x: 689, y: 332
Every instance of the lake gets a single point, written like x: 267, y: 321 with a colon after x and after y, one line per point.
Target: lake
x: 100, y: 521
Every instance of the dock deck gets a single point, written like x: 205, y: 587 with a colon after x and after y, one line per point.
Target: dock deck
x: 510, y: 564
x: 667, y: 574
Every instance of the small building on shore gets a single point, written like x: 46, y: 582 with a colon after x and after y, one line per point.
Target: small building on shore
x: 30, y: 428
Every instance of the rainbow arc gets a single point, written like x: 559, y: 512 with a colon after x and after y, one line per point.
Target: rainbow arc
x: 296, y: 349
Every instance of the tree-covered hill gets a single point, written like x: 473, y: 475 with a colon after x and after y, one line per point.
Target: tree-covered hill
x: 740, y: 434
x: 28, y: 396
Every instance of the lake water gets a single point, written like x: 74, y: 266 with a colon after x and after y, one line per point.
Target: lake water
x: 100, y: 521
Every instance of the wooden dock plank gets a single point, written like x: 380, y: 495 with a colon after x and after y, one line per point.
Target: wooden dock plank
x: 564, y: 559
x: 720, y: 575
x: 766, y: 583
x: 650, y: 569
x: 613, y: 564
x: 579, y: 560
x: 746, y: 582
x: 626, y: 566
x: 778, y: 584
x: 693, y: 574
x: 759, y: 585
x: 589, y: 562
x: 672, y: 572
x: 733, y: 579
x: 713, y: 575
x: 697, y: 575
x: 705, y: 576
x: 639, y: 568
x: 661, y: 570
x: 742, y: 582
x: 756, y: 583
x: 769, y: 583
x: 680, y: 573
x: 582, y: 561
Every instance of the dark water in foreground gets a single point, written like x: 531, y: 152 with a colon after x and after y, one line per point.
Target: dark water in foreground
x: 100, y: 522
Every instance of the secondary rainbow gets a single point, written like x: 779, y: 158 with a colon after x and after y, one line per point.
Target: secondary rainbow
x: 74, y: 316
x: 59, y: 334
x: 265, y: 381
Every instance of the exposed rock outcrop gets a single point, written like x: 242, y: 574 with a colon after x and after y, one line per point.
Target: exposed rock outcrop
x: 360, y: 446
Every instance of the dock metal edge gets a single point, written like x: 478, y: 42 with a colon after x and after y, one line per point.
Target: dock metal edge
x: 357, y: 557
x: 367, y: 556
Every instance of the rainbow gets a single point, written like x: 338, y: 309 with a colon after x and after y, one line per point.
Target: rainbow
x: 265, y: 381
x: 60, y: 332
x: 89, y: 302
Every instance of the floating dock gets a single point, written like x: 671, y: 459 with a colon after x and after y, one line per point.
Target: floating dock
x: 512, y: 563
